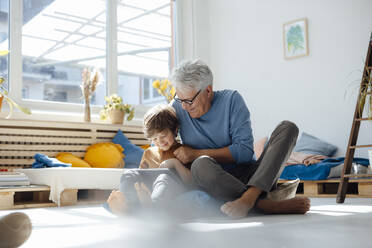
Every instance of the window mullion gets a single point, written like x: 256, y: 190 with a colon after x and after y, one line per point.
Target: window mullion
x: 111, y: 48
x: 15, y: 47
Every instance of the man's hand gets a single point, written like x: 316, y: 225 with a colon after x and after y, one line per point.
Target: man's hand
x: 186, y: 154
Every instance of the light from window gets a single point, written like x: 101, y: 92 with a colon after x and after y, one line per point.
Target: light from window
x: 59, y: 39
x: 144, y: 47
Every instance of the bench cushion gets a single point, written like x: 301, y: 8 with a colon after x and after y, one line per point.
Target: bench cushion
x: 105, y: 155
x: 75, y: 161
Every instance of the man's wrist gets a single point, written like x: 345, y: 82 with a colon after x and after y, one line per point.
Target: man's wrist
x: 198, y: 153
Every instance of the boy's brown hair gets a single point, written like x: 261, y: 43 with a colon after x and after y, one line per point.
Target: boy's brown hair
x: 159, y: 118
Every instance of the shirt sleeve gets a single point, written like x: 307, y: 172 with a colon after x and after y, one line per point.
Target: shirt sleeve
x: 240, y: 130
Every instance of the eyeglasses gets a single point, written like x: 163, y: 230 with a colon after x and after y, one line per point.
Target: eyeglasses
x: 189, y: 102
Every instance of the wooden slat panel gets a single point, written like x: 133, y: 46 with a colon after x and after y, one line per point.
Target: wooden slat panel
x: 134, y: 141
x: 4, y: 161
x: 124, y: 129
x: 32, y: 153
x: 69, y: 125
x: 50, y: 124
x: 329, y: 181
x: 311, y: 188
x: 49, y: 147
x: 140, y: 142
x: 365, y: 189
x: 6, y: 200
x: 128, y: 135
x: 26, y: 188
x: 53, y: 147
x: 37, y: 132
x: 324, y: 188
x: 333, y: 196
x: 358, y: 175
x: 46, y: 140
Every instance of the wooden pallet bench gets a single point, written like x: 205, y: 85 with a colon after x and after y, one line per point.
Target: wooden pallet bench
x: 360, y: 188
x: 25, y: 197
x: 37, y: 196
x: 20, y: 140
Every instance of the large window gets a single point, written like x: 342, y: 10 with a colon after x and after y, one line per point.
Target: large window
x: 4, y: 39
x: 61, y: 37
x: 144, y: 31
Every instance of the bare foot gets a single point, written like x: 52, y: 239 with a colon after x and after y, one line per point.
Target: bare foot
x: 297, y: 205
x: 118, y: 203
x: 241, y: 206
x: 143, y: 193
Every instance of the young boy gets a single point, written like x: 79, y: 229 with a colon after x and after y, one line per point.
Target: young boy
x: 159, y: 170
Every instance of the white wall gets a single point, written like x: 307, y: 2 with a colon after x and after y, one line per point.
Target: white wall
x: 242, y: 42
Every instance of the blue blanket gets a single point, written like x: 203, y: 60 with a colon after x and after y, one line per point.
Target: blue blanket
x: 318, y: 171
x: 43, y: 161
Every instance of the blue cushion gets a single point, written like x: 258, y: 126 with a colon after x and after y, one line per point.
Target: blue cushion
x: 133, y: 154
x: 313, y: 145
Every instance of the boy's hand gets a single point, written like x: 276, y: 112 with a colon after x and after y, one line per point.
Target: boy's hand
x: 186, y: 154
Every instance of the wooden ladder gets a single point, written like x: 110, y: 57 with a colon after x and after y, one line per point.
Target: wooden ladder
x: 365, y: 89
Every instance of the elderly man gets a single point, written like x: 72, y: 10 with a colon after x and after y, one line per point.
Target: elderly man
x: 217, y: 138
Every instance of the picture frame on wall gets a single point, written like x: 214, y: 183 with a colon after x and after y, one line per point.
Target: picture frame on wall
x: 295, y: 39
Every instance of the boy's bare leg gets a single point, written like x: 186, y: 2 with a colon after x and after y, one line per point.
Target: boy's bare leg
x: 143, y: 193
x: 117, y: 202
x: 241, y: 206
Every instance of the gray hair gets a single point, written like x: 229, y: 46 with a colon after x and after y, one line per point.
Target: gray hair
x: 192, y: 75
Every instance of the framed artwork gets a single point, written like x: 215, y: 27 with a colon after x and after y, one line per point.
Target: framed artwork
x: 295, y: 39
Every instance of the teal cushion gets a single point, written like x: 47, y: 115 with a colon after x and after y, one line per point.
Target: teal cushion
x: 313, y: 145
x: 133, y: 154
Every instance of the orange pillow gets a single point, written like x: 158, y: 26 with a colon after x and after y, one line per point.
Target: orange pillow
x: 105, y: 155
x: 75, y: 161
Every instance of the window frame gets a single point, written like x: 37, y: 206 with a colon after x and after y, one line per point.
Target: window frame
x: 151, y: 98
x: 15, y: 63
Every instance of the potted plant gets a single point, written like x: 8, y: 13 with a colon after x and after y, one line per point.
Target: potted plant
x: 115, y: 110
x: 5, y: 97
